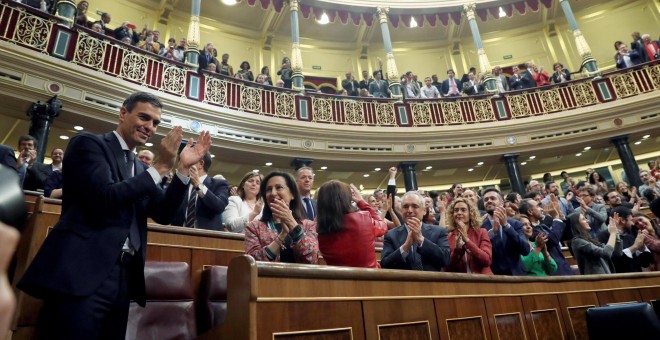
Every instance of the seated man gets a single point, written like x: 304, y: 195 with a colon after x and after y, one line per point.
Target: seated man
x: 451, y: 87
x: 31, y: 173
x: 506, y: 236
x: 428, y: 90
x: 415, y: 245
x: 472, y: 87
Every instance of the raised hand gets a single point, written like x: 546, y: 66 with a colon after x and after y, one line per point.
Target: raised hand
x: 355, y: 194
x: 611, y: 227
x: 393, y: 172
x: 415, y: 226
x: 282, y: 213
x: 194, y: 176
x: 569, y: 196
x: 192, y: 154
x: 167, y: 151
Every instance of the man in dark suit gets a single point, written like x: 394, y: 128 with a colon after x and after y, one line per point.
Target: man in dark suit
x: 451, y: 87
x: 31, y: 173
x: 7, y: 157
x: 206, y: 57
x: 520, y: 80
x: 92, y: 262
x: 635, y: 254
x: 506, y: 236
x: 305, y: 182
x: 415, y: 245
x: 210, y: 197
x: 350, y: 85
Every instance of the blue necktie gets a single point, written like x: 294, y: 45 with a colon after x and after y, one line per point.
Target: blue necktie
x: 308, y: 208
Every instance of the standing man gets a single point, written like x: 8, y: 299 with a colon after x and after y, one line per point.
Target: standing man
x: 57, y: 155
x: 305, y: 182
x: 92, y: 262
x: 501, y: 80
x: 595, y: 213
x: 451, y: 87
x: 415, y: 245
x: 146, y: 157
x: 206, y: 199
x: 206, y: 58
x: 350, y: 85
x: 551, y: 188
x: 224, y: 68
x: 506, y: 236
x: 378, y: 88
x: 364, y: 83
x: 31, y: 173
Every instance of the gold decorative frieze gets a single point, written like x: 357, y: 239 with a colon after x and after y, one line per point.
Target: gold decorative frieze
x: 625, y: 85
x: 483, y: 110
x: 174, y: 80
x: 284, y: 105
x: 385, y: 114
x: 89, y: 52
x: 251, y: 99
x: 551, y: 100
x: 451, y: 111
x: 584, y: 94
x: 353, y: 112
x: 216, y: 91
x: 32, y: 31
x: 322, y: 109
x: 654, y: 74
x: 519, y: 106
x: 133, y: 67
x: 421, y: 114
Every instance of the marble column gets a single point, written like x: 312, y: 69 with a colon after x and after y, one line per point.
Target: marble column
x: 392, y: 72
x: 41, y: 119
x: 409, y: 175
x: 296, y: 55
x: 490, y: 83
x: 298, y: 163
x: 513, y: 170
x: 627, y: 160
x: 192, y: 53
x: 588, y: 62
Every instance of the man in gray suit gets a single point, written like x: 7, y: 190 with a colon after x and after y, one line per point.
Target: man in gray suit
x: 415, y: 245
x: 595, y: 213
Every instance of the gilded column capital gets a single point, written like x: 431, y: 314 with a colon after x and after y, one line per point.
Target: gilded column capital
x: 382, y: 14
x: 469, y: 10
x: 293, y: 4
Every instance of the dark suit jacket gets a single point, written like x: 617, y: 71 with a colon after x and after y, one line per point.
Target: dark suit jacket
x: 554, y: 231
x: 346, y: 85
x: 528, y: 81
x: 204, y: 64
x: 36, y: 175
x: 623, y: 263
x: 557, y: 80
x: 508, y: 246
x: 434, y: 251
x: 98, y: 207
x: 444, y: 89
x: 209, y: 208
x: 7, y: 157
x: 635, y: 58
x: 470, y: 90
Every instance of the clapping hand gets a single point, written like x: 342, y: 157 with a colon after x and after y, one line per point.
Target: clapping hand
x: 355, y: 194
x: 192, y: 154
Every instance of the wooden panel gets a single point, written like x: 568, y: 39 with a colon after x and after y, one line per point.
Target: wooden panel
x: 287, y: 317
x: 505, y: 318
x: 410, y: 331
x: 618, y: 296
x: 650, y: 294
x: 542, y: 314
x: 574, y: 312
x: 330, y: 334
x: 405, y: 314
x: 202, y: 258
x: 169, y: 254
x: 462, y: 318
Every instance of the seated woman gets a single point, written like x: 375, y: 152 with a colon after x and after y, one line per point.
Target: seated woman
x: 469, y: 244
x: 281, y: 235
x: 628, y: 194
x: 346, y: 236
x: 592, y: 256
x: 650, y: 231
x: 538, y: 262
x: 245, y: 207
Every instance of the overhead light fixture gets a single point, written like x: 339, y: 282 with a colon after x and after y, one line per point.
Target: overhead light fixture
x: 532, y: 157
x: 149, y: 144
x: 212, y: 156
x: 269, y: 164
x: 523, y: 163
x: 470, y: 169
x: 324, y: 168
x: 230, y: 2
x: 646, y: 136
x: 324, y: 19
x: 64, y: 137
x: 429, y: 167
x: 501, y: 13
x: 636, y: 143
x: 587, y: 148
x: 255, y: 170
x: 366, y: 175
x: 480, y: 163
x: 413, y: 23
x: 78, y: 128
x: 578, y: 154
x: 376, y: 169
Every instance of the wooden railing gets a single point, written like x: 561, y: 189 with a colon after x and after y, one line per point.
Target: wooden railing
x: 32, y: 29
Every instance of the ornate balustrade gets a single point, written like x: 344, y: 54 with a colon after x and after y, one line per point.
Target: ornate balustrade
x: 30, y: 28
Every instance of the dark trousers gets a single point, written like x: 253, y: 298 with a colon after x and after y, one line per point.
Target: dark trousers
x: 102, y: 315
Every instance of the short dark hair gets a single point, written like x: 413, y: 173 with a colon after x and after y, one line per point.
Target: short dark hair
x: 622, y: 211
x: 295, y: 205
x: 547, y: 184
x: 525, y: 206
x: 141, y: 97
x: 376, y: 73
x: 607, y: 194
x: 493, y: 189
x: 589, y: 190
x: 532, y: 194
x: 563, y: 174
x: 512, y: 197
x: 207, y: 161
x: 450, y: 70
x: 24, y: 138
x: 334, y: 201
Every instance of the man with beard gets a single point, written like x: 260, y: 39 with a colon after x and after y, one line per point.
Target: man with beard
x: 506, y: 236
x: 566, y: 208
x: 415, y: 245
x: 613, y: 200
x: 635, y: 254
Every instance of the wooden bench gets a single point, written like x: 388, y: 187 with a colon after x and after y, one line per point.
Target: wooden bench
x: 293, y: 301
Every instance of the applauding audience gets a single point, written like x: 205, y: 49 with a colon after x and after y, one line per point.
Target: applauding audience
x: 592, y: 256
x: 246, y: 207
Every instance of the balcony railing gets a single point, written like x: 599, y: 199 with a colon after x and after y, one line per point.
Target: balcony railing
x: 32, y: 29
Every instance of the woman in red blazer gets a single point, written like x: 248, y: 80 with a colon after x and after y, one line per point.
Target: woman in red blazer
x: 346, y: 236
x: 471, y: 251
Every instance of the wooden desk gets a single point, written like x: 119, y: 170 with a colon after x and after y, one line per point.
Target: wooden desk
x: 287, y: 301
